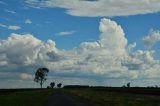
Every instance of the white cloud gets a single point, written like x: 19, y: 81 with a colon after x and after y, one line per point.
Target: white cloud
x: 145, y: 56
x: 151, y: 39
x: 10, y: 11
x: 65, y: 33
x: 25, y: 76
x: 111, y: 32
x: 100, y: 7
x: 27, y: 48
x: 11, y: 27
x: 28, y: 21
x: 131, y: 46
x: 106, y: 58
x: 14, y: 27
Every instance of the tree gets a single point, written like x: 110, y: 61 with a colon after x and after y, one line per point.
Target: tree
x: 59, y: 85
x: 156, y: 86
x: 123, y: 86
x: 48, y: 87
x: 52, y: 84
x: 40, y: 75
x: 128, y: 84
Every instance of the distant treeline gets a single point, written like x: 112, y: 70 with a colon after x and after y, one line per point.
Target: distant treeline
x: 76, y: 86
x: 134, y: 90
x: 87, y: 86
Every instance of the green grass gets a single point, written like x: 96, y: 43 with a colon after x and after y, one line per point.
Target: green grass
x: 103, y: 98
x: 25, y: 98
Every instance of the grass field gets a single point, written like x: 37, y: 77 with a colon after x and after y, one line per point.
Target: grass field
x: 24, y: 98
x: 97, y: 96
x: 109, y: 98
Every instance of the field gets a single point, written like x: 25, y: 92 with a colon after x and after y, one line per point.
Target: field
x: 119, y: 96
x: 92, y: 95
x: 23, y: 97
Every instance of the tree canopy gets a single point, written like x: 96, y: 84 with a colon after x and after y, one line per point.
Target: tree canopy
x: 59, y: 85
x: 40, y: 75
x: 52, y: 84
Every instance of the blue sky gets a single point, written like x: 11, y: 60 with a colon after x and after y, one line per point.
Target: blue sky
x: 73, y: 28
x: 47, y: 22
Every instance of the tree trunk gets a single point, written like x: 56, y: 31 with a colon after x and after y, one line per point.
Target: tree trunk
x: 41, y: 83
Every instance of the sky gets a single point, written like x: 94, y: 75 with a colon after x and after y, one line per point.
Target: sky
x: 88, y: 42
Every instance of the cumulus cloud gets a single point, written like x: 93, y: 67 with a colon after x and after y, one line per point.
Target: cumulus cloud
x: 131, y: 46
x: 26, y: 47
x: 10, y: 27
x: 64, y: 33
x: 151, y: 39
x: 106, y: 58
x: 28, y: 21
x: 111, y: 32
x: 100, y: 7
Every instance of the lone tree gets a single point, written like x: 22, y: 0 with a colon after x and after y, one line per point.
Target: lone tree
x: 59, y: 85
x: 40, y: 75
x: 52, y: 84
x: 128, y: 84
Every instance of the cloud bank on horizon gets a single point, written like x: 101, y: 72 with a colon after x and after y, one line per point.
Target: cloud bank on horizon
x: 109, y: 57
x: 100, y: 8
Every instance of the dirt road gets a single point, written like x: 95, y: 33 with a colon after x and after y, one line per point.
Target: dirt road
x: 60, y: 98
